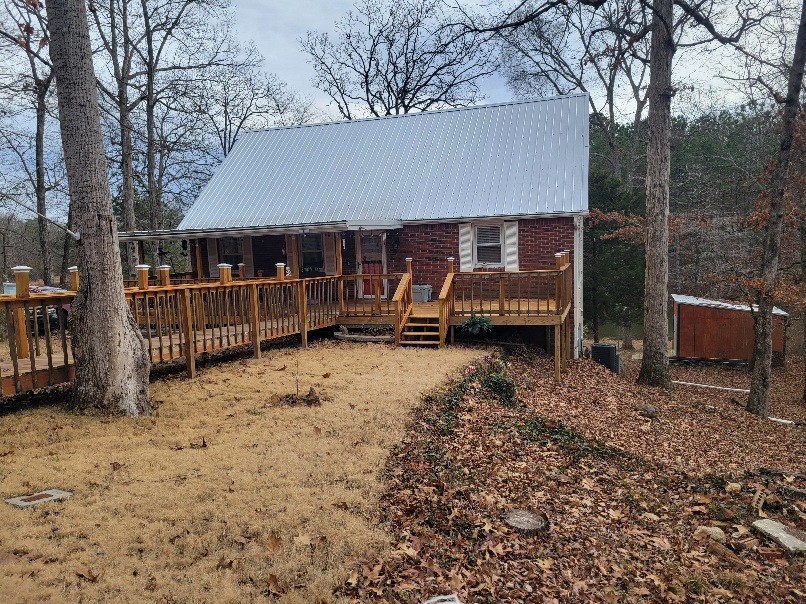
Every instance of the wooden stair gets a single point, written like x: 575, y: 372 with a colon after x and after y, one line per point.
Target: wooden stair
x: 420, y: 331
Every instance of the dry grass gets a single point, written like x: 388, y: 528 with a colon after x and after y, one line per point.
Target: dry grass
x: 279, y: 499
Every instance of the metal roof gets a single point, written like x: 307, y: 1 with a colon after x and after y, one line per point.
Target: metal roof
x: 695, y: 301
x: 510, y: 159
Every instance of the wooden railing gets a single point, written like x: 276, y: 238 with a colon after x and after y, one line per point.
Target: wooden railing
x: 404, y: 303
x: 369, y: 295
x: 181, y: 321
x: 536, y: 293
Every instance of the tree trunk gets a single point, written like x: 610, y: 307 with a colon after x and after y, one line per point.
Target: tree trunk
x: 758, y: 400
x: 803, y: 311
x: 111, y: 361
x: 626, y: 337
x: 68, y: 246
x: 655, y: 362
x: 127, y: 174
x: 41, y: 187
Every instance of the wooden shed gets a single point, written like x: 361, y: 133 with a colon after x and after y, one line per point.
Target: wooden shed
x: 713, y: 329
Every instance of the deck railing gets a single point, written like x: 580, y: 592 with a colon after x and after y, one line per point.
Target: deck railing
x: 403, y: 301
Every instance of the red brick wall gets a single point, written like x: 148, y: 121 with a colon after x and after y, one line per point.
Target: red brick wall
x: 540, y: 239
x: 431, y: 244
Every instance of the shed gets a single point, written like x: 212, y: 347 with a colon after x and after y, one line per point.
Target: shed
x: 718, y: 330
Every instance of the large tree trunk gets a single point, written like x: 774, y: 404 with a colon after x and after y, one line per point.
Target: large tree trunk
x: 66, y: 249
x: 41, y: 188
x: 655, y: 362
x: 112, y: 364
x: 127, y: 173
x: 758, y: 401
x: 803, y: 311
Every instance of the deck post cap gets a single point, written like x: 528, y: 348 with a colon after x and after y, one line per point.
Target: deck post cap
x: 164, y: 266
x: 143, y: 267
x: 21, y: 269
x: 224, y: 265
x: 451, y: 258
x: 280, y: 264
x: 72, y: 269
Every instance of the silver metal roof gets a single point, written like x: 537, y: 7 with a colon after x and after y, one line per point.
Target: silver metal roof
x: 512, y: 159
x: 695, y: 301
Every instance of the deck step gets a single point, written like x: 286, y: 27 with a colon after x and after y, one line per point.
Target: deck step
x: 419, y: 343
x: 421, y: 333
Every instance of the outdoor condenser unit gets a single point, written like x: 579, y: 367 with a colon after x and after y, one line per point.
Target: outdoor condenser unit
x: 607, y: 355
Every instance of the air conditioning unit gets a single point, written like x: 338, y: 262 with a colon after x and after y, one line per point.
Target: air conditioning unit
x: 607, y: 355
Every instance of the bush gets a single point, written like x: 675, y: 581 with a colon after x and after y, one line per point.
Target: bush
x: 476, y: 324
x: 502, y: 386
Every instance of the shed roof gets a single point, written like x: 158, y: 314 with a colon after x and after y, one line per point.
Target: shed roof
x: 695, y: 301
x: 510, y: 159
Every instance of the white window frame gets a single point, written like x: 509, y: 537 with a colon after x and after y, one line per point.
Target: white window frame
x: 501, y: 243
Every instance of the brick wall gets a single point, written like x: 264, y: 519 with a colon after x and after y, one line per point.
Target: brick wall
x: 540, y: 239
x: 431, y: 244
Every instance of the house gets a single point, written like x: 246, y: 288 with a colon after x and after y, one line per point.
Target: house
x: 717, y: 330
x: 501, y: 188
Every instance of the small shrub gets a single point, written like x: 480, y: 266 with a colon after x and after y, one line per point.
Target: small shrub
x: 502, y: 386
x: 476, y: 324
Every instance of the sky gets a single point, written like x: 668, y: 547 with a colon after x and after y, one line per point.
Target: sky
x: 276, y: 26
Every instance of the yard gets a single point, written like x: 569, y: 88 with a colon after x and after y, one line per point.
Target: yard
x: 229, y: 494
x: 225, y: 494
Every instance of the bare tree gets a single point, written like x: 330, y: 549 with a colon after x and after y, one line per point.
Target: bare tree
x: 240, y: 96
x: 579, y: 48
x: 707, y: 22
x: 395, y: 57
x: 111, y: 360
x: 758, y: 400
x: 115, y: 27
x: 25, y: 26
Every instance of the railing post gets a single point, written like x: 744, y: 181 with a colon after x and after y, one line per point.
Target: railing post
x: 303, y: 313
x: 451, y: 266
x: 224, y: 273
x: 187, y: 331
x: 241, y: 271
x: 22, y: 279
x: 280, y: 271
x: 254, y: 326
x: 164, y: 274
x: 502, y: 293
x: 409, y: 268
x: 72, y: 278
x: 559, y: 261
x: 142, y: 276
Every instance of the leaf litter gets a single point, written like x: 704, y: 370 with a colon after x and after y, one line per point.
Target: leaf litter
x: 625, y: 496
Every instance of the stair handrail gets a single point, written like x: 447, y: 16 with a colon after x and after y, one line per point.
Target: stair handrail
x: 445, y: 306
x: 403, y: 301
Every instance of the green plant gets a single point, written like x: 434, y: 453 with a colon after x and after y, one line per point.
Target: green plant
x: 476, y: 324
x: 502, y: 386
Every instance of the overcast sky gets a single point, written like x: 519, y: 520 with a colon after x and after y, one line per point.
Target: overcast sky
x: 276, y: 26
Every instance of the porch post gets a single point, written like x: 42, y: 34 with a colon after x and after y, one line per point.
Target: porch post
x: 22, y: 279
x: 72, y: 278
x: 199, y: 264
x: 241, y: 271
x: 164, y: 274
x: 451, y: 266
x: 280, y: 271
x: 224, y: 273
x: 142, y: 275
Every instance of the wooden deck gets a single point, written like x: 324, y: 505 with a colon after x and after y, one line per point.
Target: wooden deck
x: 181, y: 321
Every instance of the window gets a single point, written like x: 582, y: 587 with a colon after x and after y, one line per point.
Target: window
x: 489, y: 248
x: 313, y: 256
x: 230, y: 250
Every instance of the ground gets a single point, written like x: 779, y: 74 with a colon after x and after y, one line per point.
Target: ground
x: 225, y: 495
x: 396, y: 487
x: 625, y: 495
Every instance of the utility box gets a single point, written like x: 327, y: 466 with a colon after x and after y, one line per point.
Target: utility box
x: 607, y: 355
x: 422, y: 293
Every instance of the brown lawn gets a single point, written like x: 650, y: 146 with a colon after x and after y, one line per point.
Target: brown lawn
x: 223, y: 495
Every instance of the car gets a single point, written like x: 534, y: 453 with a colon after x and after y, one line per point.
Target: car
x: 52, y: 311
